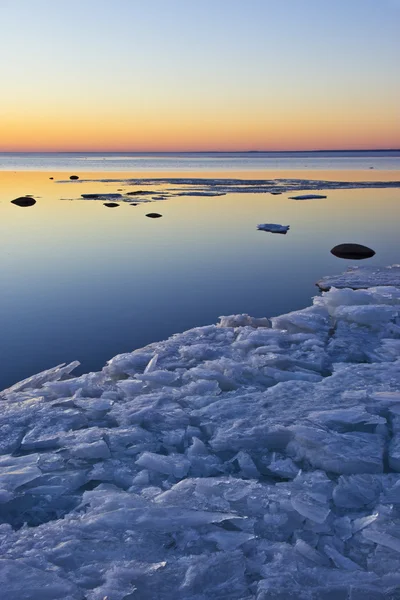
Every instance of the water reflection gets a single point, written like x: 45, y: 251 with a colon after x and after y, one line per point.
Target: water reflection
x: 81, y: 282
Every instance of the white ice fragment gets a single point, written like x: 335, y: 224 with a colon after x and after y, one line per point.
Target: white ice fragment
x: 382, y: 538
x: 355, y: 418
x: 345, y: 453
x: 243, y: 320
x: 310, y: 553
x: 158, y: 377
x: 283, y: 467
x: 310, y: 508
x: 17, y: 471
x: 359, y: 524
x: 37, y: 381
x: 173, y: 464
x: 229, y: 540
x: 342, y: 562
x: 197, y: 448
x: 92, y: 451
x: 273, y: 227
x: 151, y: 366
x: 343, y: 528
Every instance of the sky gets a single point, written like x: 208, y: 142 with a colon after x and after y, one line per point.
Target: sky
x: 182, y: 75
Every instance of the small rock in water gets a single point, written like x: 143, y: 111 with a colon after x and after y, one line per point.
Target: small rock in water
x: 74, y: 177
x: 132, y: 203
x: 352, y: 251
x: 110, y: 204
x: 24, y: 201
x: 51, y: 177
x: 153, y: 215
x: 276, y: 193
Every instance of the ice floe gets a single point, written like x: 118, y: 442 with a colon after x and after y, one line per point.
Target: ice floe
x: 254, y: 458
x: 307, y: 197
x: 362, y: 277
x: 273, y: 227
x: 181, y: 186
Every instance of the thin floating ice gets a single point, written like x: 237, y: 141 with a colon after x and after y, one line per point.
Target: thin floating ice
x: 175, y: 187
x: 255, y: 458
x: 307, y: 197
x: 273, y: 227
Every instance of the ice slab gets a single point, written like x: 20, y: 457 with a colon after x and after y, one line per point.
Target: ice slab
x: 273, y: 227
x: 362, y: 277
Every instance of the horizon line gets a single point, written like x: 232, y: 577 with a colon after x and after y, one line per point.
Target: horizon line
x: 195, y: 151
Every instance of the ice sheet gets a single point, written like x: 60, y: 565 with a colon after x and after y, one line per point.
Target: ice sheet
x: 362, y: 277
x: 255, y: 458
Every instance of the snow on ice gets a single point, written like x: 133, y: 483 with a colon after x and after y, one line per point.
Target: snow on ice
x: 255, y: 458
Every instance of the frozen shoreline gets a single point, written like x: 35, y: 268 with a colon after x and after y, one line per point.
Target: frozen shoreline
x: 241, y: 460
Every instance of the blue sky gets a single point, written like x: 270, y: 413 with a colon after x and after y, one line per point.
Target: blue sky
x: 235, y: 72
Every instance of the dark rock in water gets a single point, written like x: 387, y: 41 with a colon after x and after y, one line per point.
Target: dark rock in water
x: 90, y: 196
x: 74, y: 177
x: 140, y: 193
x: 352, y: 251
x: 110, y: 204
x: 51, y: 177
x: 153, y: 215
x: 133, y: 204
x: 276, y: 193
x: 24, y: 201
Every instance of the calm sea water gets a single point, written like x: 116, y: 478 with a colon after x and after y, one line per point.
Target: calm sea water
x: 82, y: 281
x: 199, y: 161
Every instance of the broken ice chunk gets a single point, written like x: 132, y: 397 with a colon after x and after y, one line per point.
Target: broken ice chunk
x: 173, y: 464
x: 394, y: 453
x: 359, y: 524
x: 92, y: 451
x: 342, y: 562
x: 355, y: 418
x: 17, y: 471
x: 310, y: 508
x: 382, y: 538
x: 338, y: 453
x: 243, y: 320
x: 310, y: 553
x: 357, y: 491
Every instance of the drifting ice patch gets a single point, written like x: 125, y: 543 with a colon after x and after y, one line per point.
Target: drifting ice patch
x: 251, y: 459
x: 307, y: 197
x: 273, y: 227
x: 220, y: 187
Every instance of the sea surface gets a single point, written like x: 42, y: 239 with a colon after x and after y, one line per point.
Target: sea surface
x: 199, y: 161
x: 83, y: 281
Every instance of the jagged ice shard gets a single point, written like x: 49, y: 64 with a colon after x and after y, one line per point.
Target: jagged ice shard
x: 249, y: 459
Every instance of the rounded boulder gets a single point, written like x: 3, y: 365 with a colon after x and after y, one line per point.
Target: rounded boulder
x: 352, y: 251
